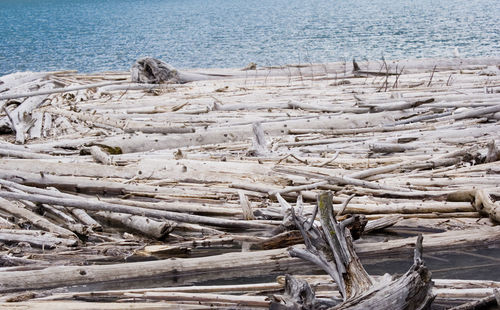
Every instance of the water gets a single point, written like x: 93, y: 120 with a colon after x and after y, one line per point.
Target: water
x: 98, y: 35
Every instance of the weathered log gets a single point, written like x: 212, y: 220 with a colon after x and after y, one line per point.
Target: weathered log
x: 33, y: 218
x: 246, y: 264
x: 100, y: 156
x: 154, y: 71
x: 36, y: 238
x: 484, y: 303
x: 299, y: 295
x: 485, y: 204
x: 58, y: 90
x: 246, y: 206
x: 104, y: 206
x: 85, y: 305
x: 144, y: 225
x: 144, y: 142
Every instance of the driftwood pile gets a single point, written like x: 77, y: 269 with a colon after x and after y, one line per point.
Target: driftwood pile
x: 257, y: 188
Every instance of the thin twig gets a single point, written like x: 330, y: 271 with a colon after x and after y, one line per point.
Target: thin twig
x: 344, y: 205
x: 432, y: 75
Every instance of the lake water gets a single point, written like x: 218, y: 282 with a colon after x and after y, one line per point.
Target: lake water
x: 97, y: 35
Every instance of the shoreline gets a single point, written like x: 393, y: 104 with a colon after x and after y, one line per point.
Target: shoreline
x: 410, y: 63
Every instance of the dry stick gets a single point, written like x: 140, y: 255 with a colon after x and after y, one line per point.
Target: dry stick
x: 245, y: 206
x: 299, y: 188
x: 104, y: 206
x: 449, y: 80
x: 144, y: 225
x: 395, y: 85
x: 471, y: 114
x: 330, y: 160
x: 387, y: 76
x: 432, y: 74
x: 344, y: 204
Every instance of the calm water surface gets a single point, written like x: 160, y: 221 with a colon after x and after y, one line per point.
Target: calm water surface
x: 97, y: 35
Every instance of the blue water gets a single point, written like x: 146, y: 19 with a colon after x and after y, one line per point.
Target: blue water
x: 97, y: 35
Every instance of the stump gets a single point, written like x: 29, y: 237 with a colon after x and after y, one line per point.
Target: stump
x: 331, y: 248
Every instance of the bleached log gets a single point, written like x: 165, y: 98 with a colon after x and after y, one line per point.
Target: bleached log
x: 22, y: 117
x: 100, y: 156
x: 38, y: 239
x: 246, y: 207
x: 381, y: 223
x: 395, y: 106
x: 13, y: 80
x: 86, y: 219
x: 180, y: 207
x: 35, y: 219
x: 23, y: 154
x: 390, y: 147
x: 104, y: 206
x: 487, y: 302
x: 148, y: 227
x: 85, y: 305
x: 72, y: 275
x: 58, y: 90
x: 138, y: 143
x: 474, y: 113
x: 232, y: 288
x: 249, y: 263
x: 484, y: 204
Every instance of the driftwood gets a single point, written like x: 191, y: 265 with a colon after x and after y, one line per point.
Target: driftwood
x: 33, y: 218
x: 104, y: 206
x: 484, y: 303
x: 330, y: 247
x: 144, y: 225
x: 485, y: 204
x: 58, y: 90
x: 216, y: 266
x: 221, y: 157
x: 154, y: 71
x: 35, y: 238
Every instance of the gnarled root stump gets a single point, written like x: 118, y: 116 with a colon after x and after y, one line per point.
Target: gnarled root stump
x: 153, y: 71
x: 330, y: 247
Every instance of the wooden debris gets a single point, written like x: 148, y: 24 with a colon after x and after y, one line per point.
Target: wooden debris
x: 122, y: 185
